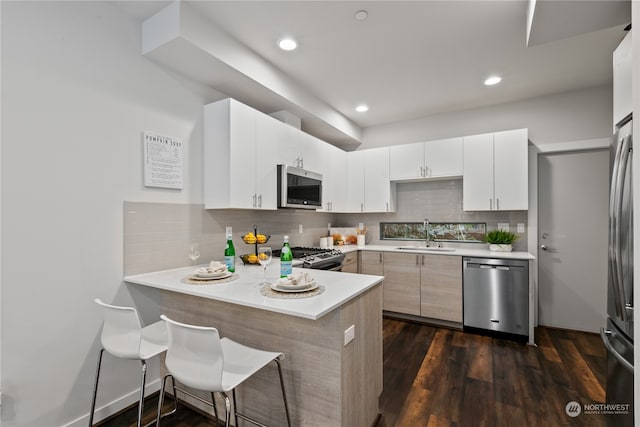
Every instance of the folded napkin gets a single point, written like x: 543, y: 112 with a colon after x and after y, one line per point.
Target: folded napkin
x: 297, y: 279
x: 214, y: 267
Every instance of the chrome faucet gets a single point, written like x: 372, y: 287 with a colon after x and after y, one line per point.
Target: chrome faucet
x: 426, y: 232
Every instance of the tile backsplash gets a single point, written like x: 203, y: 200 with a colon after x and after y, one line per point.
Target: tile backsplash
x: 157, y: 235
x: 438, y: 201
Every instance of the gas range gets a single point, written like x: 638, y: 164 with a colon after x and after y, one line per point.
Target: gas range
x: 316, y: 258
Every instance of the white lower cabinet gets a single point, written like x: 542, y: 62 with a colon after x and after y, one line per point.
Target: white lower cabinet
x: 496, y: 171
x: 429, y: 286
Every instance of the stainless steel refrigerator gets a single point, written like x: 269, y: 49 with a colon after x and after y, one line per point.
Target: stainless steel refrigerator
x: 618, y: 335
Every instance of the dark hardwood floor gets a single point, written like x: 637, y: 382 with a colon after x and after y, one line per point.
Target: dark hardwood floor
x: 442, y: 377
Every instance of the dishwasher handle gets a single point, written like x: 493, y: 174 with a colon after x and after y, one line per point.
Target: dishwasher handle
x: 494, y: 267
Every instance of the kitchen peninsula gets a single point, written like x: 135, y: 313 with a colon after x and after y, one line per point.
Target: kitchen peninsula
x: 327, y: 381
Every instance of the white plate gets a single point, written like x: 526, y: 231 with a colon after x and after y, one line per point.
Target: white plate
x: 216, y: 275
x: 293, y: 288
x: 223, y: 276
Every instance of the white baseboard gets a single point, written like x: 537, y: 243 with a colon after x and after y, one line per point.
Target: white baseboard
x: 114, y: 406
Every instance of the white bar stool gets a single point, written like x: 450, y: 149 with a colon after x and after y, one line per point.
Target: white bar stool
x: 125, y: 338
x: 198, y: 358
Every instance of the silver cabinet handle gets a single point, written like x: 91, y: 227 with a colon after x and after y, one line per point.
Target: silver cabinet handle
x: 260, y: 201
x: 380, y: 257
x: 497, y: 203
x: 417, y: 259
x: 422, y: 259
x: 361, y: 207
x: 254, y: 200
x: 387, y: 206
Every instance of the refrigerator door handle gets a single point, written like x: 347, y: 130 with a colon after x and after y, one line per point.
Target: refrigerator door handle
x: 622, y: 171
x: 613, y: 227
x: 604, y: 335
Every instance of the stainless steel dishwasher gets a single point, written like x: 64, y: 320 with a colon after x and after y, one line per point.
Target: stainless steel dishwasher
x: 496, y: 295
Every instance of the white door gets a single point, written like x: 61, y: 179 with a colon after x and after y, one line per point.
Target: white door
x: 573, y: 225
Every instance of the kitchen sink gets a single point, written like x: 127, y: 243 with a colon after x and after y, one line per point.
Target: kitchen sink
x: 425, y: 249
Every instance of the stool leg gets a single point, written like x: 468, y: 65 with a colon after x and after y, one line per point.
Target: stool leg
x: 142, y: 385
x: 163, y: 390
x: 95, y: 388
x: 227, y: 404
x: 215, y: 408
x: 235, y: 406
x: 284, y: 396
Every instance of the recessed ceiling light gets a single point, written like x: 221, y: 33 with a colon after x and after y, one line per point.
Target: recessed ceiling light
x: 493, y: 80
x: 362, y: 108
x: 287, y: 44
x: 361, y: 15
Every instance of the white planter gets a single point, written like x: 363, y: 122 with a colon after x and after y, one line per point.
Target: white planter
x: 500, y: 248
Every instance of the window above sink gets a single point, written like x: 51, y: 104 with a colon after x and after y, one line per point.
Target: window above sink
x: 460, y: 232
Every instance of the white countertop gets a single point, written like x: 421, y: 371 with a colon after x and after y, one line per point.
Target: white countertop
x: 479, y: 253
x: 339, y: 289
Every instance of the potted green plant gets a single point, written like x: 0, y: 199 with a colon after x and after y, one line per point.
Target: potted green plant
x: 500, y: 240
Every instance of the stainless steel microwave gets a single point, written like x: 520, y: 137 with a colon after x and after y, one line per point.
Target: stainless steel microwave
x: 299, y: 188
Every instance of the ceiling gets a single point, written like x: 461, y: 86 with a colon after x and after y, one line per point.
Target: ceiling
x: 413, y: 59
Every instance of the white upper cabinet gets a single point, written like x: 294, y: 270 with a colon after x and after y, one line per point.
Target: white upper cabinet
x: 269, y: 132
x: 378, y: 194
x: 355, y: 181
x: 299, y: 149
x: 406, y: 161
x: 239, y: 170
x: 477, y: 185
x: 496, y: 171
x: 368, y: 185
x: 622, y: 71
x: 432, y: 159
x: 443, y: 158
x: 332, y: 164
x: 511, y: 170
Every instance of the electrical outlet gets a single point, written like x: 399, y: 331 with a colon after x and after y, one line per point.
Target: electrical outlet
x: 504, y: 226
x: 300, y: 229
x: 361, y: 226
x: 349, y: 334
x: 520, y: 227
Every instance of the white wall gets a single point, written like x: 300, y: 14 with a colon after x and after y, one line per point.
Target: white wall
x: 569, y: 116
x: 76, y: 96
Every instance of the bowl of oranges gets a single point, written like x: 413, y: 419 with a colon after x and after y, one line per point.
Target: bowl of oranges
x: 252, y: 258
x: 253, y: 238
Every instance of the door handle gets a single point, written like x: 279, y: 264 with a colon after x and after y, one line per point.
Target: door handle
x: 543, y: 247
x: 547, y: 249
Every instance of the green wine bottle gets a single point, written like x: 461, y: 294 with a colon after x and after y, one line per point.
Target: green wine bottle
x: 230, y: 252
x: 286, y: 258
